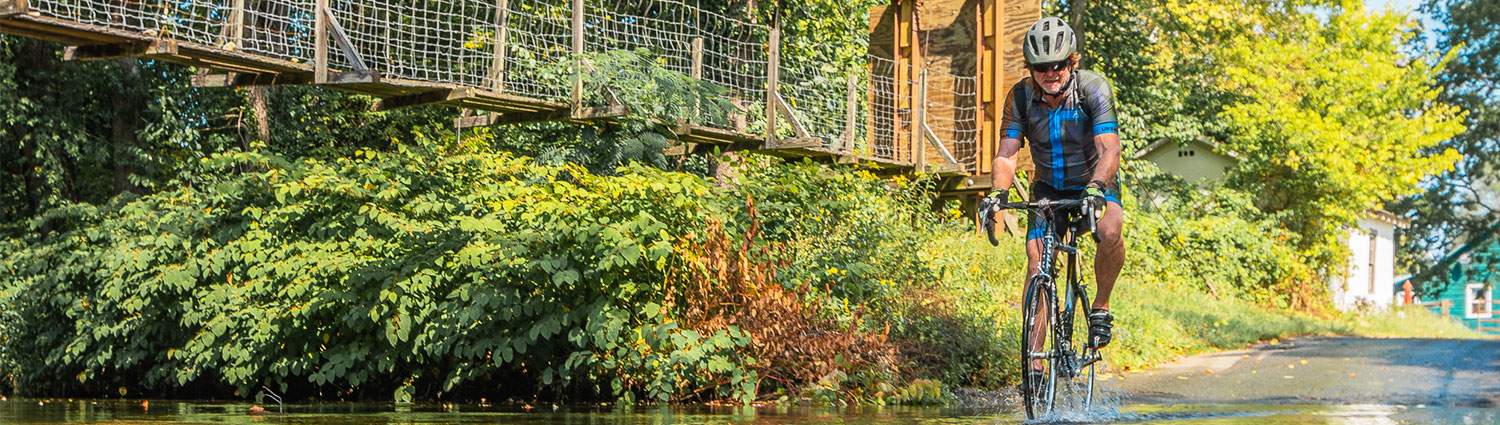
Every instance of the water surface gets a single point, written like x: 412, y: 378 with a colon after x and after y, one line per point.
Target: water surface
x: 62, y: 411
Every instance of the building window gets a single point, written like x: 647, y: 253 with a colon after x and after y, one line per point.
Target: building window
x: 1477, y: 301
x: 1374, y: 243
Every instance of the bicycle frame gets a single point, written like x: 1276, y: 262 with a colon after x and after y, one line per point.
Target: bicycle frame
x: 1063, y: 314
x: 1064, y: 361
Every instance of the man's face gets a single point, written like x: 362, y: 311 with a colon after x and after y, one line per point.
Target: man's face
x: 1052, y: 76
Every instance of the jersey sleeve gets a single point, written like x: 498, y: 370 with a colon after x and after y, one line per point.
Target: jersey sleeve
x: 1101, y: 108
x: 1010, y: 121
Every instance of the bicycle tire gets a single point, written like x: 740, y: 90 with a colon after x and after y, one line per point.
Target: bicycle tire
x: 1078, y: 336
x: 1038, y: 302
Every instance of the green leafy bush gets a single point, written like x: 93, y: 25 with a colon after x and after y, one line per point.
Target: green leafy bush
x: 411, y: 271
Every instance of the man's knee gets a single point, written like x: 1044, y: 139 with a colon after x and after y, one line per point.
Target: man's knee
x: 1109, y: 237
x: 1110, y: 229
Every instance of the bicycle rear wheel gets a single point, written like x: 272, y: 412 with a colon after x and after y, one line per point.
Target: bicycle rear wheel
x: 1038, y: 347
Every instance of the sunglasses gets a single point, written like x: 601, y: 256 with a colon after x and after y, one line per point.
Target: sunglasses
x: 1051, y: 66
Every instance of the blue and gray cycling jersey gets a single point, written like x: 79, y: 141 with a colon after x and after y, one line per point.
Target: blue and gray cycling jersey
x: 1062, y: 139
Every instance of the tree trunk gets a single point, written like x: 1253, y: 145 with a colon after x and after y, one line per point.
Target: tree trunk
x: 1077, y: 12
x: 260, y: 103
x: 123, y: 140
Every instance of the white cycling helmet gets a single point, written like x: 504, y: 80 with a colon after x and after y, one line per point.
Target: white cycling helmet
x: 1049, y: 40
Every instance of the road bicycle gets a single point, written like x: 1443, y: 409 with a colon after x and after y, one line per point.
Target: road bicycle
x: 1048, y: 335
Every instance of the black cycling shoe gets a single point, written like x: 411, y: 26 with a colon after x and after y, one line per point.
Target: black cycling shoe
x: 1101, y: 323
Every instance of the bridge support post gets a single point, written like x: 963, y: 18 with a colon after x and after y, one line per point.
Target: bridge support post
x: 577, y: 50
x: 10, y: 8
x: 233, y: 33
x: 502, y: 24
x: 850, y: 114
x: 918, y: 122
x: 320, y: 43
x: 697, y: 74
x: 773, y: 74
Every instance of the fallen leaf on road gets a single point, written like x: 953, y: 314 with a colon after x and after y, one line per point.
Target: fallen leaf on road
x: 1287, y: 376
x: 1252, y: 372
x: 1245, y: 356
x: 1304, y: 361
x: 1351, y: 375
x: 1182, y: 377
x: 1291, y: 366
x: 1208, y: 371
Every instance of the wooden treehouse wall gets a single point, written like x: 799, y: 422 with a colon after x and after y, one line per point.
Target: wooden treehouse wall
x: 954, y: 44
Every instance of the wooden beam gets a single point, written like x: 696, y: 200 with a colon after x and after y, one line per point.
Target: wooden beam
x: 578, y: 51
x: 773, y: 73
x: 155, y: 48
x: 781, y: 106
x: 680, y: 150
x: 697, y: 73
x: 850, y: 114
x: 237, y: 79
x: 594, y: 113
x: 798, y: 143
x: 918, y: 121
x: 932, y: 138
x: 10, y: 8
x: 350, y: 53
x: 320, y: 42
x: 424, y: 98
x: 502, y: 24
x: 232, y: 32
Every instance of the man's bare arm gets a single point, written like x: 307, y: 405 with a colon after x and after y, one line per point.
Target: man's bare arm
x: 1005, y: 164
x: 1108, y: 145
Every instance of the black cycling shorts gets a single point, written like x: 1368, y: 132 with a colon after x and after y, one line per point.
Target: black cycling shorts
x: 1040, y: 190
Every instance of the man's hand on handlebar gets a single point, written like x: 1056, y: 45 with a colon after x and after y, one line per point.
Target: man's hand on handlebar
x: 1094, y: 195
x: 987, y: 212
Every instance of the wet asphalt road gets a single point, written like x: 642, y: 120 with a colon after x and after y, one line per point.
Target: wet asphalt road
x: 1326, y: 370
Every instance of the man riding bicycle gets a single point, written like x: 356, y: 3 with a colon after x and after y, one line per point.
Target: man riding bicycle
x: 1068, y: 116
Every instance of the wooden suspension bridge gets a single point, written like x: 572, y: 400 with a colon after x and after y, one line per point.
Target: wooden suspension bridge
x: 914, y: 108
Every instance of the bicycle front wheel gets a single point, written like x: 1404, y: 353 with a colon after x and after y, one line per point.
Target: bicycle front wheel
x: 1076, y: 382
x: 1038, y: 348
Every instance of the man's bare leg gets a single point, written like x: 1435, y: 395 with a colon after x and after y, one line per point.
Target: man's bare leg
x: 1111, y: 254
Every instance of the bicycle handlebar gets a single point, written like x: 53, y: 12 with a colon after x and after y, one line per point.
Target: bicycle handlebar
x: 988, y: 209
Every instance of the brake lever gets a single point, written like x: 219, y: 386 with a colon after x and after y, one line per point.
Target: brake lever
x: 987, y: 219
x: 1093, y: 217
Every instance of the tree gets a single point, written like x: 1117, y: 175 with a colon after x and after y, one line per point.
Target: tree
x: 1464, y: 202
x: 1327, y: 112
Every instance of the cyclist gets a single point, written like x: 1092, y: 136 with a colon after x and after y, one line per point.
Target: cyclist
x: 1068, y: 116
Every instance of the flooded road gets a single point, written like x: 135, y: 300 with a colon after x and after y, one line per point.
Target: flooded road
x: 1396, y: 371
x: 16, y: 411
x: 1300, y: 381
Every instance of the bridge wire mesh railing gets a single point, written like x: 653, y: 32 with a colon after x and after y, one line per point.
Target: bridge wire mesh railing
x: 952, y: 114
x: 454, y: 42
x: 278, y: 29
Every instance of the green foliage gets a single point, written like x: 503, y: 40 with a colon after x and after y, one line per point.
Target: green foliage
x: 423, y: 268
x: 1459, y: 205
x: 1324, y: 107
x: 658, y: 100
x: 87, y: 131
x: 1323, y: 145
x: 1220, y: 240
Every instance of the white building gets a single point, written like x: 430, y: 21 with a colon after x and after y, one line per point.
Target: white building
x: 1370, y: 279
